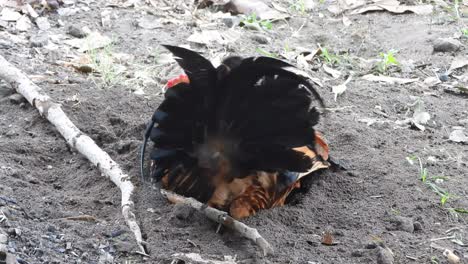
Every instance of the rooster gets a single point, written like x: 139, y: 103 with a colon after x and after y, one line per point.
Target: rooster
x: 238, y: 137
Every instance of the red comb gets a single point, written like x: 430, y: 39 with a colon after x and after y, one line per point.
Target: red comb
x: 182, y: 78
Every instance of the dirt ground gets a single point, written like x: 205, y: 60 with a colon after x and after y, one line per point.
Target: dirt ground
x: 378, y: 203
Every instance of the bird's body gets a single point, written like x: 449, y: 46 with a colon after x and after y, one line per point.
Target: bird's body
x: 238, y: 137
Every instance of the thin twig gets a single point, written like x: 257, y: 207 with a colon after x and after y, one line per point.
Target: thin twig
x: 76, y: 139
x: 222, y: 218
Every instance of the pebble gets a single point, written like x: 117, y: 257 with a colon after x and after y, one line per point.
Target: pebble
x: 39, y: 41
x: 3, y: 239
x: 446, y: 45
x: 230, y: 21
x: 443, y: 77
x: 42, y: 23
x: 23, y: 24
x: 417, y: 226
x: 8, y: 14
x: 76, y: 32
x: 260, y: 39
x: 14, y: 232
x: 402, y: 223
x: 384, y: 256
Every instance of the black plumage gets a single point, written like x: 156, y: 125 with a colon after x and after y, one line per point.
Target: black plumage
x: 229, y: 122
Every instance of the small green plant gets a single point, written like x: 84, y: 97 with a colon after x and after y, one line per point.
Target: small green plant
x: 105, y: 65
x: 434, y: 260
x: 460, y: 210
x: 329, y: 57
x: 464, y: 31
x: 252, y: 21
x: 299, y: 6
x: 387, y: 60
x: 431, y: 181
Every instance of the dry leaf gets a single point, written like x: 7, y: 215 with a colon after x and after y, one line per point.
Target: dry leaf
x: 197, y: 258
x: 339, y: 89
x: 386, y: 79
x: 327, y: 239
x: 342, y: 5
x: 149, y: 22
x: 9, y: 15
x: 208, y: 37
x: 93, y: 41
x: 451, y: 257
x: 334, y: 73
x: 262, y: 10
x: 394, y: 6
x: 458, y: 62
x: 31, y: 11
x: 23, y: 24
x: 106, y: 18
x: 432, y: 81
x: 346, y: 21
x: 458, y: 136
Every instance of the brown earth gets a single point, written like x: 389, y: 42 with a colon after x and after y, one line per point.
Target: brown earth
x: 378, y: 199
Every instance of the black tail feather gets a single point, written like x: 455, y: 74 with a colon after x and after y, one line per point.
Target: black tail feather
x: 258, y: 102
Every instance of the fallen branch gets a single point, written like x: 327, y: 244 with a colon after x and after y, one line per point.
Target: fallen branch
x: 76, y: 139
x: 195, y: 258
x: 222, y: 218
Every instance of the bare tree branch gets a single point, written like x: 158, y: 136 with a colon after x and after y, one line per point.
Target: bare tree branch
x: 222, y: 218
x: 76, y: 139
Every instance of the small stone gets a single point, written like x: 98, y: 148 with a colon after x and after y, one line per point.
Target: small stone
x: 67, y: 11
x: 23, y: 24
x: 10, y: 259
x: 14, y: 232
x: 3, y: 24
x: 9, y: 15
x: 53, y: 4
x: 68, y: 246
x: 401, y: 223
x: 39, y: 41
x: 417, y: 226
x: 230, y: 21
x: 5, y: 44
x: 3, y: 250
x: 3, y: 239
x: 76, y: 32
x: 42, y: 23
x: 357, y: 253
x: 446, y: 45
x: 260, y: 39
x: 385, y: 256
x: 443, y: 77
x: 16, y: 98
x: 370, y: 245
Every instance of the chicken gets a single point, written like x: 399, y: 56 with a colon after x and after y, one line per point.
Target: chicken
x: 238, y: 137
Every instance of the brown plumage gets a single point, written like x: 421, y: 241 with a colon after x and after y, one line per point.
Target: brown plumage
x: 239, y: 137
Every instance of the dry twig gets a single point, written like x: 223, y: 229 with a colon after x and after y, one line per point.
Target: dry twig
x: 222, y: 218
x: 76, y: 139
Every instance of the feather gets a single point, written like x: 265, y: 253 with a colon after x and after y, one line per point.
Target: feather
x: 238, y: 137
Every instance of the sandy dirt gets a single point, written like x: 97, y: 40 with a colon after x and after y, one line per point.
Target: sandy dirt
x: 379, y: 201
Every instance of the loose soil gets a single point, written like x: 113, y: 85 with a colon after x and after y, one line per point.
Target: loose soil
x: 43, y: 181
